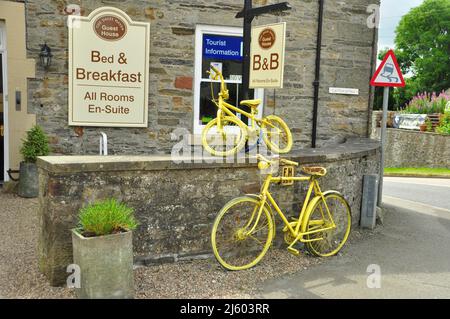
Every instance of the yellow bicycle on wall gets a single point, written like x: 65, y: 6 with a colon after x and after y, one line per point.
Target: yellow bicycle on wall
x: 227, y: 134
x: 245, y: 227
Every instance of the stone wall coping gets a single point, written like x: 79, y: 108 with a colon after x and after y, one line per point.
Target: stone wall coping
x: 352, y: 148
x: 418, y: 132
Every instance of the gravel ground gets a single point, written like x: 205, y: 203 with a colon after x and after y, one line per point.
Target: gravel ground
x: 207, y: 279
x: 19, y: 274
x: 20, y: 277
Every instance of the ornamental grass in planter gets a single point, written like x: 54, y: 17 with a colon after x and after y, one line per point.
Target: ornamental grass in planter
x: 103, y: 249
x: 36, y: 144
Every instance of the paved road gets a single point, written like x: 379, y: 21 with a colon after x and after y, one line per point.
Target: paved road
x: 429, y: 191
x: 411, y: 249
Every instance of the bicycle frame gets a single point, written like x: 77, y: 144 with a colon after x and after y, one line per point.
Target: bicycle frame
x: 296, y: 232
x: 224, y: 107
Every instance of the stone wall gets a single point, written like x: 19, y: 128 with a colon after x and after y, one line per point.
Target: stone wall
x: 347, y: 61
x: 175, y: 203
x: 407, y: 148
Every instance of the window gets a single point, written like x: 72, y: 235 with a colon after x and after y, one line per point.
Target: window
x: 221, y: 47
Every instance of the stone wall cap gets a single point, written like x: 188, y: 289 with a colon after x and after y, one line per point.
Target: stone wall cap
x: 418, y: 132
x: 352, y: 148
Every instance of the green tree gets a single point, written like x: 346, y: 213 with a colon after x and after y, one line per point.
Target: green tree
x: 423, y: 51
x: 423, y: 45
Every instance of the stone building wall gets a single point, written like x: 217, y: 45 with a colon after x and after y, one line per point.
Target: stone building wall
x: 348, y: 53
x: 176, y: 204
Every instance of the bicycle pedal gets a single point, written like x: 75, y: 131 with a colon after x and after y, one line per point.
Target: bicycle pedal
x: 293, y: 251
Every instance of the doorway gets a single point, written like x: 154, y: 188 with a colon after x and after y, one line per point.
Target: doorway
x: 4, y: 154
x: 2, y: 126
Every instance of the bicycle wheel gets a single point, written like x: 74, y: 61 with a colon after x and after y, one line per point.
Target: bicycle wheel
x: 329, y: 242
x: 228, y: 141
x: 277, y: 134
x: 233, y: 247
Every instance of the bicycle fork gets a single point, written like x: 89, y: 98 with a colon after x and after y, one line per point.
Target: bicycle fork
x: 258, y: 211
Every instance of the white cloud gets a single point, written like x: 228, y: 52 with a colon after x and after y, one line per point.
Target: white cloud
x: 391, y: 13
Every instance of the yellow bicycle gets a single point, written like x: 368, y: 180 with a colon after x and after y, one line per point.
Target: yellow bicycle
x: 245, y: 227
x: 227, y: 134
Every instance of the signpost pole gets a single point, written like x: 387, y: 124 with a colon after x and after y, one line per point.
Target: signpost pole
x: 388, y: 74
x: 383, y: 143
x: 247, y: 38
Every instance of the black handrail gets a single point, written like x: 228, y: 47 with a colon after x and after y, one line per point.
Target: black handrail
x: 12, y: 171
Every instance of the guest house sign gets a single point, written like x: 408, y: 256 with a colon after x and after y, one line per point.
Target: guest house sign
x: 108, y: 69
x: 267, y: 56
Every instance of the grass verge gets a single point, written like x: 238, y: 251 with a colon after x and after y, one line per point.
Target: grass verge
x: 417, y: 171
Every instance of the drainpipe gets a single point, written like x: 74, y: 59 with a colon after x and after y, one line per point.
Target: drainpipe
x: 316, y: 82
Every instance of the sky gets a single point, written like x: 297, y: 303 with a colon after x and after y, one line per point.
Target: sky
x: 390, y: 15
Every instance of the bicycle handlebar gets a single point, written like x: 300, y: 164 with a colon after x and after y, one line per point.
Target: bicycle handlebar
x: 215, y: 70
x: 223, y: 87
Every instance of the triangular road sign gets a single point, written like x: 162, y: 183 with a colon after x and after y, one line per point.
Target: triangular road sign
x: 388, y: 73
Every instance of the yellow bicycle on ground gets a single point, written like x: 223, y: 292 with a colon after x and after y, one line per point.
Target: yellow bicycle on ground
x: 227, y: 134
x: 245, y: 227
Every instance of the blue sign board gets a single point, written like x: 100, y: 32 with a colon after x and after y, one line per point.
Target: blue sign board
x: 219, y: 47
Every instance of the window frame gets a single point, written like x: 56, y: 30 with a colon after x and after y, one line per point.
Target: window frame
x: 200, y: 30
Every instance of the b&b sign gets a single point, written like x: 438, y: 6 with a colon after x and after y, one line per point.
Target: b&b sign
x: 267, y: 56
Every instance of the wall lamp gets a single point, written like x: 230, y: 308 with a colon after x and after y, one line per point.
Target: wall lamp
x: 45, y: 56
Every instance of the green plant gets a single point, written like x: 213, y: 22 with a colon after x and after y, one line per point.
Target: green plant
x: 35, y: 144
x: 444, y: 124
x: 106, y: 217
x: 429, y: 125
x: 427, y: 104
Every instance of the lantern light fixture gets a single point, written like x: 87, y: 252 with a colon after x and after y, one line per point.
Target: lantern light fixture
x: 45, y: 56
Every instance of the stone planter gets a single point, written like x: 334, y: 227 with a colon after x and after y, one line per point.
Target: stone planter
x: 106, y: 265
x: 29, y: 180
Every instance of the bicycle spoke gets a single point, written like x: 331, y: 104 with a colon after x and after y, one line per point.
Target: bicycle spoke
x: 235, y: 247
x: 277, y: 135
x: 224, y: 141
x: 334, y: 238
x: 256, y: 239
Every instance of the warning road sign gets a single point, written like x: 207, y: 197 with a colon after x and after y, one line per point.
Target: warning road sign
x: 388, y: 73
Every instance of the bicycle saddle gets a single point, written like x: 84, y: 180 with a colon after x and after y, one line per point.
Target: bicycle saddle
x: 251, y: 103
x: 314, y: 170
